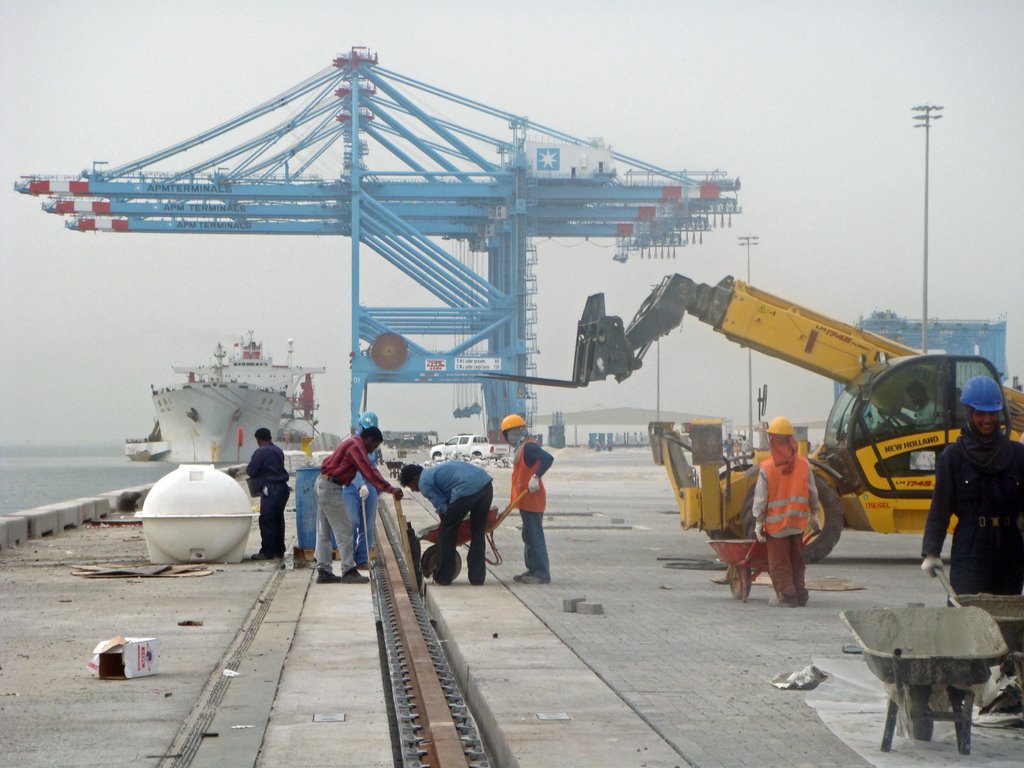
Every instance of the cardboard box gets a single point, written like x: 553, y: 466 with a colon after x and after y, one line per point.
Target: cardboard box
x: 125, y: 657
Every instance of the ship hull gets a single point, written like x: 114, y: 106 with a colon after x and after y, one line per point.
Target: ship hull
x: 214, y: 423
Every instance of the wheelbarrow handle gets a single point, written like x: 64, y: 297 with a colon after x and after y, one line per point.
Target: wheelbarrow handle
x: 508, y: 510
x: 940, y: 574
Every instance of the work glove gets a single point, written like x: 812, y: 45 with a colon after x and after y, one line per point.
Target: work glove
x: 534, y: 485
x: 931, y: 564
x: 759, y: 533
x: 397, y: 494
x: 363, y: 492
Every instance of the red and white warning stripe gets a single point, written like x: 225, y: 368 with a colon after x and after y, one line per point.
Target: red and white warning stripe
x: 82, y: 206
x: 58, y: 186
x: 101, y: 224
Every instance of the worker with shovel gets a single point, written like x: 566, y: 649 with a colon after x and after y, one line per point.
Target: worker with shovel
x: 980, y: 479
x: 531, y: 462
x: 785, y: 499
x: 361, y: 501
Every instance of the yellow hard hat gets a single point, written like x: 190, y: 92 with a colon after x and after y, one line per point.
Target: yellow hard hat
x: 780, y: 426
x: 512, y: 421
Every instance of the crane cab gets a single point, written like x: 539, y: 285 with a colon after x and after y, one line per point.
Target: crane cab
x: 885, y: 433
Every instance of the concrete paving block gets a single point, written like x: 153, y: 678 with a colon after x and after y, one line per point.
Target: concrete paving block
x: 591, y: 608
x: 13, y: 531
x: 42, y: 521
x: 569, y: 605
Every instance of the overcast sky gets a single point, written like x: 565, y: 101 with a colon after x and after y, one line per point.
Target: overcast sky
x: 809, y: 103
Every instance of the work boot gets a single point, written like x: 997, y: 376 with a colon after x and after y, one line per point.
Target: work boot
x: 353, y: 577
x: 529, y: 578
x: 261, y: 555
x: 362, y: 566
x: 327, y: 577
x: 521, y: 576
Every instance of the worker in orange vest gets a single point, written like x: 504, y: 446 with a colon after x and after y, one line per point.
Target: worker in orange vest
x: 785, y: 506
x: 531, y: 461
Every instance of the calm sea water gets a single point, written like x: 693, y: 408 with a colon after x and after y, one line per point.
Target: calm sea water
x: 32, y: 475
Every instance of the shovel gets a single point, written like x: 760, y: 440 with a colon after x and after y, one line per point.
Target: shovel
x: 940, y: 574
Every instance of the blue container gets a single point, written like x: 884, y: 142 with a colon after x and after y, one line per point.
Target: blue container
x: 305, y: 507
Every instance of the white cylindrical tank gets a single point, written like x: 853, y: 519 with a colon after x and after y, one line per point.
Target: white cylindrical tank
x: 196, y: 514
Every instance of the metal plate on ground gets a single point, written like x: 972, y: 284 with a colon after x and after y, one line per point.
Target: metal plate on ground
x: 553, y: 716
x: 332, y: 717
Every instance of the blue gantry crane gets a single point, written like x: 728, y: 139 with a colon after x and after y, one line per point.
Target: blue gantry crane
x: 449, y: 191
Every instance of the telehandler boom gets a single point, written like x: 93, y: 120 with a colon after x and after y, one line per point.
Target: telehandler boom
x: 875, y: 468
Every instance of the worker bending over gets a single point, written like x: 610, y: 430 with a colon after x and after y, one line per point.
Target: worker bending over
x: 336, y: 474
x: 531, y: 462
x: 785, y: 500
x: 455, y: 488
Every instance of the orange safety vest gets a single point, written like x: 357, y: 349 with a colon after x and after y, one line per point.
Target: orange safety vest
x: 788, y: 509
x: 521, y: 474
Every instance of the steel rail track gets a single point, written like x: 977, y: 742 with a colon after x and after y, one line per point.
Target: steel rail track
x: 433, y: 723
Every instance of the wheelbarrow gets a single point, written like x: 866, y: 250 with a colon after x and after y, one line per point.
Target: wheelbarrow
x: 463, y: 536
x: 747, y: 559
x: 913, y: 649
x: 1006, y: 610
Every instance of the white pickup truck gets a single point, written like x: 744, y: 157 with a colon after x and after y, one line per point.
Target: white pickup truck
x: 468, y: 447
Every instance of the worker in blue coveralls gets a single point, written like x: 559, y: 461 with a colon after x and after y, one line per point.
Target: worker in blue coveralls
x: 267, y: 473
x: 455, y: 488
x: 980, y: 480
x: 360, y: 496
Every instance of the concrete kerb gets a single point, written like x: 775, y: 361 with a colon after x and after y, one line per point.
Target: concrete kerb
x: 13, y: 531
x: 42, y: 521
x: 91, y: 509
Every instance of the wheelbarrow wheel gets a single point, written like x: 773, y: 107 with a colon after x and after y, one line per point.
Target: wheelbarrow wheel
x: 739, y: 581
x: 428, y: 563
x: 735, y: 582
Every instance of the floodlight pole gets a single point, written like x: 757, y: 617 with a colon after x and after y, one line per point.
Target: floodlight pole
x: 926, y: 122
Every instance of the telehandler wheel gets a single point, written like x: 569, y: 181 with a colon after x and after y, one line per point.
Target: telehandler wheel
x: 830, y: 518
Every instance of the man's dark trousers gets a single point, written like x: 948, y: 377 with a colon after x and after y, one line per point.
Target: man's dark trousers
x: 272, y: 504
x: 477, y: 505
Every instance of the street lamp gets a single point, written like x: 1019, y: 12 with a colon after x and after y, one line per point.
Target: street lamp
x: 925, y: 121
x: 749, y: 240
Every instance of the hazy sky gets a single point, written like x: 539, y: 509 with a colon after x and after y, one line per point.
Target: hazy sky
x: 809, y: 103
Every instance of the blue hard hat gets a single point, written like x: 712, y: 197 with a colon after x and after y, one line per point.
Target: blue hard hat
x: 982, y: 394
x: 368, y: 419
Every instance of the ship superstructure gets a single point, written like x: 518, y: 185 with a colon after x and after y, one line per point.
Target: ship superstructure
x: 212, y: 416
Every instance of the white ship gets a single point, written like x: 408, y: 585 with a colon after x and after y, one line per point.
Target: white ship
x: 213, y: 415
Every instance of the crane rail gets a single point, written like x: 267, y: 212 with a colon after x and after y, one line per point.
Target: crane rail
x: 433, y: 722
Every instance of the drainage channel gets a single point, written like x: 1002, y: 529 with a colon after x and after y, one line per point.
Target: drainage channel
x: 432, y: 722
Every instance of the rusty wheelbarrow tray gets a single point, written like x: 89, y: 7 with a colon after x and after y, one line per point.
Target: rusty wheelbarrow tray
x: 428, y: 560
x: 913, y: 649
